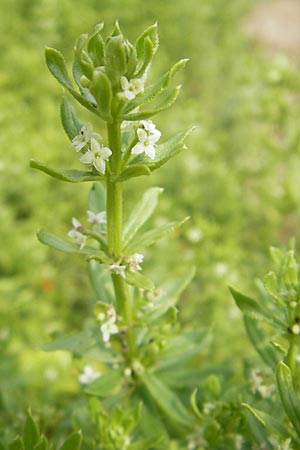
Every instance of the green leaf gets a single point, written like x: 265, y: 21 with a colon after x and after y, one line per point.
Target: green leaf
x: 261, y: 342
x: 61, y: 244
x: 140, y: 281
x: 289, y: 397
x: 77, y: 343
x: 42, y: 445
x: 97, y: 198
x: 270, y: 284
x: 70, y: 121
x: 102, y: 91
x: 57, y: 66
x: 252, y: 308
x: 107, y: 384
x: 144, y: 51
x: 151, y: 236
x: 31, y: 432
x: 169, y: 149
x: 115, y: 58
x: 167, y: 401
x: 132, y: 171
x: 155, y: 89
x: 71, y: 176
x: 182, y: 347
x: 272, y: 425
x: 96, y: 48
x: 169, y: 294
x: 17, y: 444
x: 166, y: 103
x: 141, y: 214
x: 73, y: 442
x: 101, y: 281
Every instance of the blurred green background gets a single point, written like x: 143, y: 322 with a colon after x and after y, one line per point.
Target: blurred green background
x: 238, y: 181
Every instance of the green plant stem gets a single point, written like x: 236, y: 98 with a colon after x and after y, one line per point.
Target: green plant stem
x: 114, y: 211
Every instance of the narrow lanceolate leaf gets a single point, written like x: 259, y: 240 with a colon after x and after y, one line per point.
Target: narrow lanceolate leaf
x: 261, y: 342
x: 290, y: 399
x: 271, y: 424
x: 170, y: 293
x: 167, y: 401
x: 70, y: 121
x: 168, y: 101
x: 140, y: 281
x: 71, y: 176
x: 80, y: 343
x: 42, y: 445
x: 150, y: 237
x: 141, y: 214
x: 252, y: 308
x: 135, y: 170
x: 169, y: 149
x: 61, y: 244
x: 107, y: 384
x: 73, y: 442
x: 57, y: 66
x: 31, y: 433
x: 146, y: 47
x: 155, y: 89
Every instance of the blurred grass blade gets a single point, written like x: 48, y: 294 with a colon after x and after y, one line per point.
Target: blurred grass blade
x: 31, y: 432
x: 73, y: 442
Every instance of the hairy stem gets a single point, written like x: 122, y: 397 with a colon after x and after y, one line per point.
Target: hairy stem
x: 114, y: 234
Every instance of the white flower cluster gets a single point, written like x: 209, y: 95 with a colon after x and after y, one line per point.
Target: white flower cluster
x: 88, y: 375
x: 131, y: 263
x: 77, y: 232
x: 96, y: 154
x: 148, y: 135
x: 108, y: 323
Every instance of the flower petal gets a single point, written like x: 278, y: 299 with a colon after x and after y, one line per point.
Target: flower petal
x: 87, y: 158
x: 99, y: 165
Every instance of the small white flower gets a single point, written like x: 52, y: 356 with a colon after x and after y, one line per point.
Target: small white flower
x: 85, y: 135
x: 96, y: 156
x: 89, y: 375
x: 132, y: 88
x: 150, y: 127
x: 134, y: 262
x: 118, y: 269
x: 146, y: 143
x: 109, y: 327
x: 76, y: 233
x: 96, y: 218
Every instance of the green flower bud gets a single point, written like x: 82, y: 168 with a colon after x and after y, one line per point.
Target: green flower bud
x: 85, y: 82
x: 115, y: 59
x: 95, y: 47
x: 102, y: 91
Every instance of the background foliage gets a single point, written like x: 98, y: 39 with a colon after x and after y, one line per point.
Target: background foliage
x: 238, y: 181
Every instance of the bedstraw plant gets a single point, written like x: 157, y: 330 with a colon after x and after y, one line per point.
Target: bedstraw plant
x: 138, y: 354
